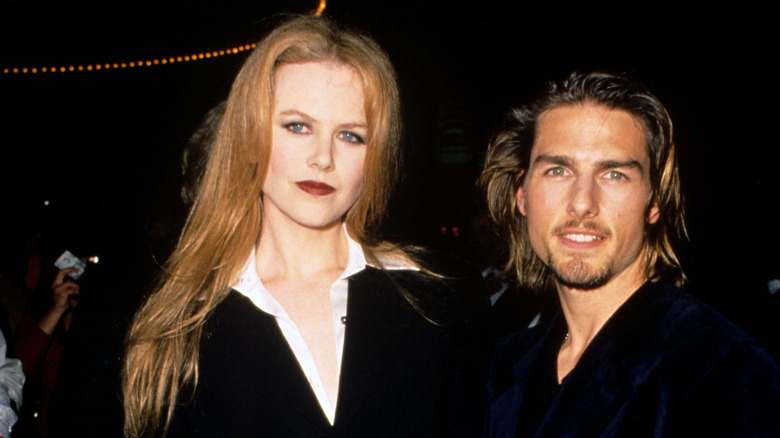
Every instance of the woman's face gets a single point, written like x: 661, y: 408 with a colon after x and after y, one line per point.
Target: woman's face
x: 318, y: 146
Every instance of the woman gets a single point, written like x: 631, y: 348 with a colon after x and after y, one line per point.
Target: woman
x: 281, y: 313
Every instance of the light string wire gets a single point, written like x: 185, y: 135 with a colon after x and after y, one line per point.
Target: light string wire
x: 142, y: 63
x: 199, y: 56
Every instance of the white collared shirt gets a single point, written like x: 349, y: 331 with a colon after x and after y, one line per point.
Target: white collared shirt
x: 250, y: 285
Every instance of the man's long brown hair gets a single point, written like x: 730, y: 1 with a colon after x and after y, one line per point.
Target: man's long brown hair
x: 509, y: 156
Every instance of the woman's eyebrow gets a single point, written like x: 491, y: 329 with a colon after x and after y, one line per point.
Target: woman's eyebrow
x: 301, y: 114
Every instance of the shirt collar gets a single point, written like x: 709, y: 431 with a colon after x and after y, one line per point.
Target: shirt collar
x: 356, y: 262
x: 251, y: 285
x: 356, y: 258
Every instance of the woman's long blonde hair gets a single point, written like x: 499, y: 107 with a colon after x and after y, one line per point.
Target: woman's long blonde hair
x: 225, y: 220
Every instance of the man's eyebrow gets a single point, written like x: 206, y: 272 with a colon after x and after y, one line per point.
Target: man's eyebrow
x: 562, y: 160
x: 612, y: 164
x: 553, y: 159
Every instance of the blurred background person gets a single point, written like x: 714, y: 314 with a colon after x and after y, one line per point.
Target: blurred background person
x: 11, y: 381
x: 39, y: 343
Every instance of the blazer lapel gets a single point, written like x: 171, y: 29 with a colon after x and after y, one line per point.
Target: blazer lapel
x: 288, y: 382
x: 601, y: 383
x: 371, y: 338
x: 590, y: 396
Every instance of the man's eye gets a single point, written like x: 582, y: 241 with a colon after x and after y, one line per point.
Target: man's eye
x: 296, y: 127
x: 556, y: 171
x: 615, y: 175
x: 351, y: 137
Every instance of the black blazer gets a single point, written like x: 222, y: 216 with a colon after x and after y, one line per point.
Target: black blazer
x: 664, y: 365
x: 401, y: 376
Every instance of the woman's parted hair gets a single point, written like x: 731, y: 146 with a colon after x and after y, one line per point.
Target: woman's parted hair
x: 225, y: 221
x: 509, y: 154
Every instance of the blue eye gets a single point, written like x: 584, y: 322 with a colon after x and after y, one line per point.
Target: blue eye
x: 296, y: 127
x: 351, y: 137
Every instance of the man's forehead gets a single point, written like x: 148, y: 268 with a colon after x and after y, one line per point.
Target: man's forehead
x: 590, y: 132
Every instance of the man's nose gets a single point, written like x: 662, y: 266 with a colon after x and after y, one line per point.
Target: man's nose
x: 583, y: 202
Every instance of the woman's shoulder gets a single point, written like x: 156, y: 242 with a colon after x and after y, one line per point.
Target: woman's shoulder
x: 424, y: 260
x: 442, y: 286
x: 234, y: 312
x: 430, y: 268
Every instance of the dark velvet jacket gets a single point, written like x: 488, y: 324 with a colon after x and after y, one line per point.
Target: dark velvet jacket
x: 401, y: 375
x: 664, y: 365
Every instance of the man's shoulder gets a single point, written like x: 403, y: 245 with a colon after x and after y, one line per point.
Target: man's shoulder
x: 689, y: 320
x: 691, y: 338
x: 712, y: 365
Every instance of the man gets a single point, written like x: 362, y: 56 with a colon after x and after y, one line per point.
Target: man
x: 584, y: 185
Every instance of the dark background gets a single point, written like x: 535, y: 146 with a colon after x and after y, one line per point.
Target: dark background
x: 104, y: 147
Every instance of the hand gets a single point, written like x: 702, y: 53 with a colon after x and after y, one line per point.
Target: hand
x: 65, y: 293
x: 64, y: 296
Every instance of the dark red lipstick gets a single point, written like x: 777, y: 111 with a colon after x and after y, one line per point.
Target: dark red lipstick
x: 316, y: 188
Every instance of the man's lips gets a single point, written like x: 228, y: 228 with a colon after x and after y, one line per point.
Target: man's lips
x: 583, y: 236
x: 316, y: 188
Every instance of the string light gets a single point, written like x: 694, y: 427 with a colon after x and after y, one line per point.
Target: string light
x: 143, y: 63
x: 132, y: 64
x: 320, y: 8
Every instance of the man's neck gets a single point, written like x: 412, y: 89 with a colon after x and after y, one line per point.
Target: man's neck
x: 586, y: 311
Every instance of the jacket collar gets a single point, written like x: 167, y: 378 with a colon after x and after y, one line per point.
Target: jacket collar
x: 613, y: 362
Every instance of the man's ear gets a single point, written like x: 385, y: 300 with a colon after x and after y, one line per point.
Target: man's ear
x: 653, y: 213
x: 519, y: 195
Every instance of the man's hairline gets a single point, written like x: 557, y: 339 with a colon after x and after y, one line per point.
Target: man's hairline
x: 524, y: 172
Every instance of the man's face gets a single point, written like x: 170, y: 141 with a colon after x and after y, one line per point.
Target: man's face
x: 586, y: 195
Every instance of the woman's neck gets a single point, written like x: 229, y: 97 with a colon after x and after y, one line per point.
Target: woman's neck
x: 291, y: 251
